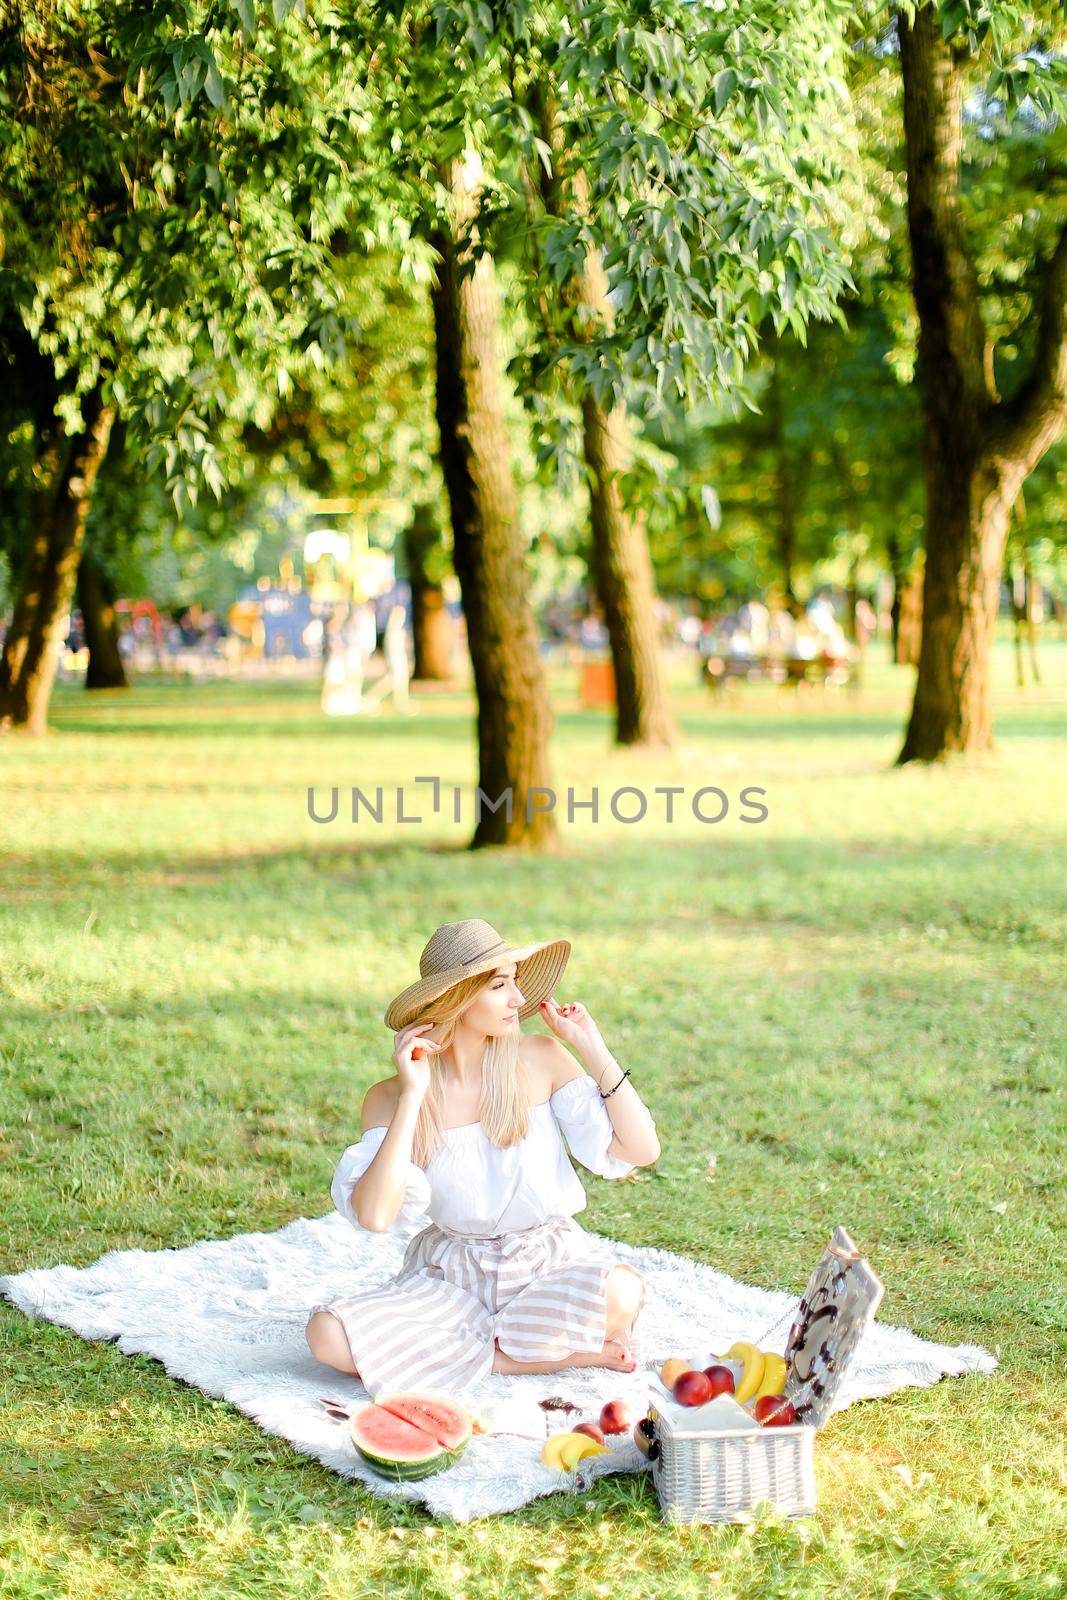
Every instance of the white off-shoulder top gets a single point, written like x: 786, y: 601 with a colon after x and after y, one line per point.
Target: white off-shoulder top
x: 473, y: 1186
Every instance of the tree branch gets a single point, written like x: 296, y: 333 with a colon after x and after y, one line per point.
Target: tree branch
x: 952, y: 335
x: 1028, y: 423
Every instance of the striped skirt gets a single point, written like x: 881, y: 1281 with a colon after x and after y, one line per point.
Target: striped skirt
x: 541, y: 1293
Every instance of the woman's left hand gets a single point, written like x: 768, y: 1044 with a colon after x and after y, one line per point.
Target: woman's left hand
x: 572, y: 1024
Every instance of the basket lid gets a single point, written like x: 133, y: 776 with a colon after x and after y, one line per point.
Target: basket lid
x: 836, y: 1308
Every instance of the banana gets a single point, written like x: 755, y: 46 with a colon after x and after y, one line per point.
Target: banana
x: 563, y: 1451
x: 573, y: 1453
x: 551, y: 1449
x: 755, y: 1363
x: 774, y: 1371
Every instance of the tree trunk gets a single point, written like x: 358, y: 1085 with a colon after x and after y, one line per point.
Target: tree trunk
x: 977, y: 452
x: 961, y: 589
x: 51, y: 571
x: 430, y: 622
x: 432, y: 627
x: 625, y: 587
x: 1031, y: 621
x: 852, y: 600
x: 909, y: 604
x: 514, y: 714
x: 30, y: 381
x: 788, y: 486
x: 621, y: 561
x: 785, y: 546
x: 899, y: 576
x: 50, y: 453
x: 1022, y: 609
x: 1018, y: 617
x: 96, y: 601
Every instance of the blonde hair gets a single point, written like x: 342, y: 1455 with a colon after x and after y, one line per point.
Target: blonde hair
x: 506, y: 1089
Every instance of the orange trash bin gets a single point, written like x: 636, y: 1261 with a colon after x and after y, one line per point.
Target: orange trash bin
x: 598, y: 683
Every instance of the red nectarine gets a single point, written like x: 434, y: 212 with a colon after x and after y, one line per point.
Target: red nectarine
x: 692, y: 1388
x: 774, y: 1411
x: 721, y: 1380
x: 615, y: 1417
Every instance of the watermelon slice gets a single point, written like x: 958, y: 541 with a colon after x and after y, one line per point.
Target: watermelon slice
x: 442, y: 1418
x: 398, y: 1449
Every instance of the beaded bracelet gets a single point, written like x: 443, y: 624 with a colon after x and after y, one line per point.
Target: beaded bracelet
x: 610, y: 1092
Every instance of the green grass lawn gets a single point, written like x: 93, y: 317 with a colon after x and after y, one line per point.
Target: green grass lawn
x: 848, y: 1013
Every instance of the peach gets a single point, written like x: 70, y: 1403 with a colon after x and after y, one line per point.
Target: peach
x: 673, y: 1369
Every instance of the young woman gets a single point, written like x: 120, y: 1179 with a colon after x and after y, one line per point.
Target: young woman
x: 503, y: 1279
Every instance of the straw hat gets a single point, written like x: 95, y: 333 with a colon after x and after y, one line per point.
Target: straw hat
x: 458, y: 950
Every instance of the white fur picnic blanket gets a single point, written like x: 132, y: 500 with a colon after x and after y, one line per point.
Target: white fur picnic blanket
x: 228, y: 1316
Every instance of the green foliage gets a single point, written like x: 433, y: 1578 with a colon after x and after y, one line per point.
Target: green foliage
x: 1013, y: 196
x: 1019, y: 49
x: 359, y: 433
x: 710, y: 146
x: 834, y: 430
x: 181, y: 262
x: 223, y: 213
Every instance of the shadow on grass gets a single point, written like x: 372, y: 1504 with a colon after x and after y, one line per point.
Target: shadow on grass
x: 746, y: 881
x: 360, y: 856
x: 302, y: 722
x: 287, y: 723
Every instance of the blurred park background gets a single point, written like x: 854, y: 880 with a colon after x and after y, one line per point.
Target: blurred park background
x: 574, y: 396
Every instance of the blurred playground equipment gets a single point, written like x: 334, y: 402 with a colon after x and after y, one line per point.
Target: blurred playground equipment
x: 288, y: 618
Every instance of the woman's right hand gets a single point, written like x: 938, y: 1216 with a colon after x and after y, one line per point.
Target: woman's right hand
x: 414, y: 1070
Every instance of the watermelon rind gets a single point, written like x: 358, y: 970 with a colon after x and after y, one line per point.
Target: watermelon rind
x: 398, y: 1462
x: 435, y: 1412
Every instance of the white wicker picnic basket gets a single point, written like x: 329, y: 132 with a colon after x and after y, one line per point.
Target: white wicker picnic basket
x: 708, y: 1475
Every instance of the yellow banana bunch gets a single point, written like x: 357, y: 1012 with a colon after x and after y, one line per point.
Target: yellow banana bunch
x: 564, y: 1451
x: 763, y: 1371
x: 754, y: 1363
x: 774, y: 1371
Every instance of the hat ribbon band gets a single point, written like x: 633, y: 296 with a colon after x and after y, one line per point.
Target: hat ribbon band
x: 499, y: 945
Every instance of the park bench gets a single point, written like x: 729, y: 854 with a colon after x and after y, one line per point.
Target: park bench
x: 721, y: 671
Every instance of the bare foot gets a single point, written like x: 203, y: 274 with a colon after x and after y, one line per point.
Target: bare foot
x: 616, y: 1354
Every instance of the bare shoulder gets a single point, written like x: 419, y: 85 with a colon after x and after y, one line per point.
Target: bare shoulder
x: 379, y: 1104
x: 550, y: 1063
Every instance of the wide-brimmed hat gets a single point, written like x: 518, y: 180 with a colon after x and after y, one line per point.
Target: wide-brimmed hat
x: 459, y: 950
